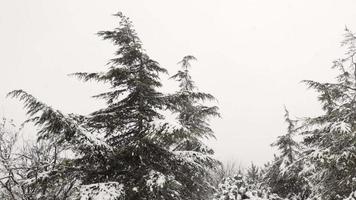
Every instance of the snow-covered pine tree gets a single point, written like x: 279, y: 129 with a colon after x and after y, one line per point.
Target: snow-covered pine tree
x: 186, y: 139
x: 288, y: 147
x: 330, y: 137
x: 193, y: 115
x: 121, y: 151
x: 282, y: 175
x: 127, y: 123
x: 253, y: 174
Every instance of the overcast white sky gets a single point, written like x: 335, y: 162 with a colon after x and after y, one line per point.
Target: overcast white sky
x: 251, y: 54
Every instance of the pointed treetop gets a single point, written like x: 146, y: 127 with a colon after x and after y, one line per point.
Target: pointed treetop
x: 186, y: 61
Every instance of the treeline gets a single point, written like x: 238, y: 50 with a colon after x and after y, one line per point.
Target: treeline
x: 323, y: 164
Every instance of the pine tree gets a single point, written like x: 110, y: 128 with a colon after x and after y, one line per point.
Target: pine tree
x: 330, y: 137
x: 288, y: 147
x: 127, y: 123
x: 253, y: 174
x: 186, y: 139
x: 193, y: 115
x: 128, y: 150
x: 282, y: 175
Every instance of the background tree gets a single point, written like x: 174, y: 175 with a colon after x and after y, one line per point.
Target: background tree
x: 24, y: 168
x: 226, y: 169
x: 253, y: 174
x: 282, y: 175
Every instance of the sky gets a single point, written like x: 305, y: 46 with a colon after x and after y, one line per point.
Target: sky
x: 252, y: 56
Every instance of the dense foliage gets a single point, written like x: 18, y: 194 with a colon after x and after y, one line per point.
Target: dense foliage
x: 330, y: 139
x: 128, y: 149
x: 323, y: 164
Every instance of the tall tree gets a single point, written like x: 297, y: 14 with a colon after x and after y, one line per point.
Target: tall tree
x: 330, y: 137
x: 127, y: 122
x: 282, y: 175
x: 193, y: 119
x: 124, y: 150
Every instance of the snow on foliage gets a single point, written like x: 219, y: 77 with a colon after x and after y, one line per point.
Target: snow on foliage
x: 157, y: 180
x: 236, y: 188
x: 96, y: 139
x: 102, y: 191
x: 341, y: 127
x: 196, y: 158
x: 130, y: 140
x: 330, y: 137
x: 352, y: 196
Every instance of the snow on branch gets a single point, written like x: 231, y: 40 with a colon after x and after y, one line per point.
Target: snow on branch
x: 102, y: 191
x: 70, y: 128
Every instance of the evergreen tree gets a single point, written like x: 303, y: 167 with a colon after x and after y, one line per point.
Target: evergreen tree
x: 282, y: 175
x: 186, y: 139
x: 253, y: 174
x: 288, y: 147
x: 193, y: 115
x: 128, y: 150
x: 127, y: 123
x: 330, y: 137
